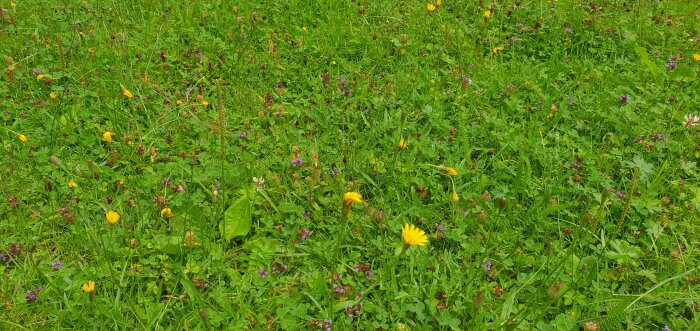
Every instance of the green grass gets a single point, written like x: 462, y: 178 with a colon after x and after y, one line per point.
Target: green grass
x: 583, y: 207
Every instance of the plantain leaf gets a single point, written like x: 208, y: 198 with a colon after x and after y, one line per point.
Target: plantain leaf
x: 237, y: 218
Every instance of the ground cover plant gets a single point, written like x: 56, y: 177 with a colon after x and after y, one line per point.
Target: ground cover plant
x: 349, y: 165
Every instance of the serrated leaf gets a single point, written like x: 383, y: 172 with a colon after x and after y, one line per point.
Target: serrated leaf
x: 237, y: 219
x: 645, y: 168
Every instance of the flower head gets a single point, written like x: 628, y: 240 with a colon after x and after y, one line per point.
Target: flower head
x: 72, y: 184
x: 107, y: 136
x: 32, y: 294
x: 413, y: 236
x: 351, y: 197
x: 166, y: 212
x: 497, y: 49
x: 89, y: 287
x: 205, y: 104
x: 431, y: 7
x: 258, y: 183
x: 450, y: 171
x: 402, y: 144
x: 112, y: 217
x: 690, y: 120
x: 56, y: 265
x: 487, y: 14
x: 455, y: 197
x: 22, y: 138
x: 128, y: 94
x: 696, y: 57
x: 40, y: 76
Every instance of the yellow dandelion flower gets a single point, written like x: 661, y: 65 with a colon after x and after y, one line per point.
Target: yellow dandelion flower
x: 205, y: 104
x: 128, y: 94
x: 22, y: 138
x: 351, y: 197
x: 112, y: 217
x: 40, y: 76
x: 89, y: 287
x: 497, y: 49
x: 166, y: 212
x: 348, y: 199
x: 179, y: 102
x: 53, y: 95
x: 438, y: 3
x: 13, y: 5
x: 455, y: 197
x: 72, y: 184
x: 413, y: 236
x: 402, y: 144
x: 696, y: 57
x: 450, y: 171
x: 487, y: 14
x: 107, y: 136
x: 430, y: 7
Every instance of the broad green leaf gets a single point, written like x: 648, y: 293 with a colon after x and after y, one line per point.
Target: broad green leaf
x: 644, y: 56
x: 237, y: 219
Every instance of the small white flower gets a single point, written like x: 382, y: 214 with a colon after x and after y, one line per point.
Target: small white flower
x: 691, y: 120
x: 258, y: 183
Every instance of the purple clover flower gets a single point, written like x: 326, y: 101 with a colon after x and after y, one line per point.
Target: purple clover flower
x: 297, y: 162
x: 166, y: 181
x: 624, y: 99
x: 242, y: 135
x: 262, y: 273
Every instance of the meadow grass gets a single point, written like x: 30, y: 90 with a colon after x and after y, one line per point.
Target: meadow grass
x: 250, y: 165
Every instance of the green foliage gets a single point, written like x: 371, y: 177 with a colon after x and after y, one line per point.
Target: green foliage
x: 569, y: 124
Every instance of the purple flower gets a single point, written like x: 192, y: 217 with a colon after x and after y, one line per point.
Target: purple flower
x: 440, y: 227
x: 518, y: 25
x: 568, y: 30
x: 575, y: 165
x: 297, y: 162
x: 681, y: 183
x: 178, y: 188
x: 666, y: 328
x: 4, y: 257
x: 306, y: 214
x: 672, y: 63
x: 262, y: 273
x: 56, y: 265
x: 624, y: 98
x: 681, y: 247
x: 326, y: 325
x: 166, y: 181
x: 657, y: 136
x: 242, y: 135
x: 336, y: 171
x: 32, y: 294
x: 305, y: 234
x: 466, y: 80
x: 487, y: 265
